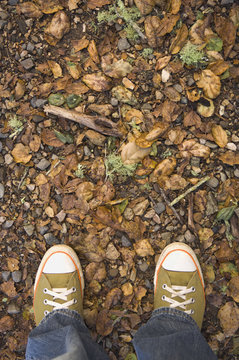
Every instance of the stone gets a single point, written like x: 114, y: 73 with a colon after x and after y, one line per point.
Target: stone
x: 211, y: 145
x: 123, y: 44
x: 8, y: 159
x: 13, y: 309
x: 16, y: 276
x: 27, y: 64
x: 61, y: 216
x: 114, y: 102
x: 178, y: 87
x: 166, y: 236
x: 2, y: 24
x: 236, y: 173
x: 184, y: 100
x: 227, y: 2
x: 113, y: 273
x: 144, y: 266
x: 43, y: 164
x: 43, y: 230
x: 190, y: 81
x: 231, y: 146
x: 189, y: 237
x: 51, y: 239
x: 3, y: 15
x: 30, y: 47
x: 0, y: 146
x: 6, y: 275
x: 37, y: 118
x: 165, y: 75
x: 159, y: 207
x: 211, y: 207
x: 87, y: 151
x: 195, y: 161
x: 112, y: 253
x: 29, y: 229
x: 2, y: 190
x: 213, y: 182
x: 125, y: 241
x: 8, y: 224
x: 12, y: 2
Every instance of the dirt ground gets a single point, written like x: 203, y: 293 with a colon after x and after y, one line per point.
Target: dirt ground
x: 119, y: 134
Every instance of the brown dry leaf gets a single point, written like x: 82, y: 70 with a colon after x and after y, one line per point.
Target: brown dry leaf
x: 140, y: 292
x: 230, y: 158
x: 127, y: 289
x: 12, y: 264
x: 77, y: 88
x: 132, y: 153
x: 35, y: 143
x: 49, y: 138
x: 177, y: 135
x: 44, y: 68
x: 192, y: 119
x: 172, y: 94
x: 29, y: 9
x: 191, y: 148
x: 170, y: 110
x: 8, y: 288
x: 115, y: 68
x: 175, y: 182
x: 233, y: 288
x: 205, y: 107
x: 93, y: 52
x: 197, y: 33
x: 226, y: 31
x: 205, y: 234
x: 73, y: 4
x: 103, y: 109
x: 45, y: 89
x: 219, y: 135
x: 165, y: 167
x: 55, y: 68
x: 85, y: 190
x: 210, y: 83
x: 193, y: 95
x: 6, y: 324
x: 20, y: 89
x: 162, y: 62
x: 143, y: 248
x: 155, y: 28
x: 49, y: 6
x: 59, y: 26
x: 134, y: 115
x: 98, y: 81
x: 21, y: 154
x: 73, y: 69
x: 112, y: 298
x: 158, y: 129
x: 142, y: 142
x: 145, y: 6
x: 104, y: 325
x: 174, y: 6
x: 228, y: 316
x: 218, y: 67
x: 93, y: 4
x: 80, y: 44
x: 179, y: 40
x: 41, y: 179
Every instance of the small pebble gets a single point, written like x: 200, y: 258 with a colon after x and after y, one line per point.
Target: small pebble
x: 114, y: 102
x: 30, y: 47
x: 51, y: 239
x: 8, y: 224
x: 43, y: 164
x: 123, y: 44
x: 113, y: 272
x: 27, y: 64
x: 16, y: 276
x: 125, y: 241
x: 165, y: 75
x: 159, y: 208
x: 166, y: 236
x: 2, y: 190
x: 202, y: 141
x: 29, y: 229
x: 231, y: 146
x: 189, y: 237
x: 184, y: 100
x: 87, y: 151
x: 236, y: 173
x: 0, y: 146
x: 6, y: 275
x: 144, y: 266
x: 8, y: 159
x: 43, y: 230
x: 12, y: 2
x: 178, y: 87
x: 13, y: 309
x: 148, y: 284
x: 213, y: 182
x: 191, y: 81
x: 61, y: 216
x: 211, y: 145
x: 3, y: 15
x: 2, y: 24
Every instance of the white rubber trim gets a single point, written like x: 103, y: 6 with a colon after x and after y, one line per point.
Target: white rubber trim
x: 68, y: 250
x: 176, y: 246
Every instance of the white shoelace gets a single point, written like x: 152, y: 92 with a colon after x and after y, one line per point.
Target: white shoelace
x: 59, y: 293
x: 179, y: 291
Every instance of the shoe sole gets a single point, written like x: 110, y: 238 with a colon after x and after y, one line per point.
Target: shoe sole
x: 65, y: 249
x: 176, y: 246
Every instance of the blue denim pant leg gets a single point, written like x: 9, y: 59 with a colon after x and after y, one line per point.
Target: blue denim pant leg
x: 170, y: 334
x: 63, y: 335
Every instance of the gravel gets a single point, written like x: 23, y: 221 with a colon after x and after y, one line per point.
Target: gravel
x: 123, y: 44
x: 51, y: 239
x: 236, y: 173
x: 2, y: 190
x: 125, y: 241
x: 30, y: 47
x: 6, y: 275
x: 43, y: 164
x: 213, y: 182
x: 36, y: 103
x: 8, y: 224
x: 2, y: 24
x: 12, y: 2
x: 27, y: 64
x: 13, y: 309
x: 29, y: 229
x: 0, y: 146
x: 159, y: 208
x: 144, y: 266
x: 16, y: 276
x: 8, y: 159
x: 114, y: 102
x: 43, y: 230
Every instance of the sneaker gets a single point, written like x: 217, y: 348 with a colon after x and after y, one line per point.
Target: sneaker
x: 59, y: 282
x: 178, y: 281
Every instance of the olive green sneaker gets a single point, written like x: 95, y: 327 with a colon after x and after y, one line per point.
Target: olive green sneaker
x: 178, y: 281
x: 59, y: 282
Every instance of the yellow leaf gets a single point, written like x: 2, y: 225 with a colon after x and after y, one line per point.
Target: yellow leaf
x: 219, y: 136
x: 21, y: 154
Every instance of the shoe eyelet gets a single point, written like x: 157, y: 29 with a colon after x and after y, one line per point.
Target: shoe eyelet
x: 45, y: 290
x: 164, y: 286
x: 75, y: 301
x: 45, y: 302
x: 73, y: 289
x: 163, y: 297
x: 193, y: 289
x: 46, y: 312
x: 192, y: 311
x: 192, y: 301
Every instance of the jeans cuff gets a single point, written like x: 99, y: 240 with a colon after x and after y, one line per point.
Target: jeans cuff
x: 72, y: 314
x: 174, y: 313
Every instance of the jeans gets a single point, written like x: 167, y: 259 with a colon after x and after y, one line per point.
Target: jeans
x: 170, y: 334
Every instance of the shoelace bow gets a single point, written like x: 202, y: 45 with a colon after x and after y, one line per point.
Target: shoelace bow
x: 59, y: 293
x: 179, y: 291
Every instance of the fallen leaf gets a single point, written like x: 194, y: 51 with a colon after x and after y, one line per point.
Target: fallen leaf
x: 226, y: 31
x: 177, y: 135
x: 93, y: 52
x: 165, y: 167
x: 21, y: 154
x: 158, y: 129
x: 12, y: 264
x: 124, y: 95
x: 115, y: 69
x: 31, y: 10
x: 6, y: 323
x: 80, y: 44
x: 155, y: 28
x: 57, y: 28
x: 73, y: 4
x: 228, y: 316
x: 233, y: 288
x: 98, y: 81
x: 143, y: 248
x: 218, y: 67
x: 8, y: 288
x: 112, y: 253
x: 172, y: 94
x: 205, y: 233
x: 162, y: 62
x: 219, y: 135
x: 44, y: 68
x: 102, y: 109
x: 56, y: 99
x: 49, y: 138
x: 192, y: 148
x: 192, y: 119
x: 41, y: 179
x: 134, y: 115
x: 170, y: 110
x: 175, y: 182
x: 132, y: 153
x: 179, y: 40
x: 145, y: 6
x: 209, y: 82
x: 193, y: 95
x: 127, y: 289
x: 73, y: 69
x: 104, y: 325
x: 77, y: 88
x: 55, y: 68
x: 140, y: 292
x: 205, y: 107
x: 19, y: 89
x: 92, y: 4
x: 230, y: 158
x: 174, y: 6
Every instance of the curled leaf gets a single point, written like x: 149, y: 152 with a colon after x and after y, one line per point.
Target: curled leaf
x: 209, y: 82
x: 226, y: 213
x: 132, y: 153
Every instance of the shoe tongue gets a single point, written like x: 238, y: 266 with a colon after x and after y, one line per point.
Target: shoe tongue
x: 180, y: 278
x: 59, y: 280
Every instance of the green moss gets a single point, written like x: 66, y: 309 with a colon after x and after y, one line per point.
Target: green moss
x: 146, y: 52
x: 115, y: 166
x: 191, y: 56
x: 16, y: 125
x: 80, y: 171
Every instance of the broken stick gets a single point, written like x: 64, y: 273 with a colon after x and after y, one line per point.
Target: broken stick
x: 97, y: 123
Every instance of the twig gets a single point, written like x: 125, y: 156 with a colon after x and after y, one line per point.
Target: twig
x: 171, y: 206
x: 191, y: 224
x: 194, y: 187
x: 23, y: 178
x: 98, y: 123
